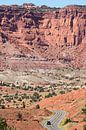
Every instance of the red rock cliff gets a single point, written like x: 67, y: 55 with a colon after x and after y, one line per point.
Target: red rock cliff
x: 44, y: 34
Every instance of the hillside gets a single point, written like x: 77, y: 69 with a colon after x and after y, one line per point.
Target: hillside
x: 24, y: 119
x: 72, y: 103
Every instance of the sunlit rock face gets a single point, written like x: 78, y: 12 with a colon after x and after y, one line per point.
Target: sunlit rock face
x: 44, y: 33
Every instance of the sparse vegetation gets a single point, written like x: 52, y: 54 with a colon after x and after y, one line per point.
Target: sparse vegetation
x: 3, y: 124
x: 50, y: 95
x: 84, y: 110
x: 19, y: 116
x: 84, y: 127
x: 84, y: 120
x: 2, y: 106
x: 35, y: 97
x: 66, y: 81
x: 37, y: 106
x: 67, y: 120
x: 23, y: 104
x: 62, y: 92
x: 39, y: 89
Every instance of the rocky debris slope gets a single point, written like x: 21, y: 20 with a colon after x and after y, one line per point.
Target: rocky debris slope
x: 44, y: 34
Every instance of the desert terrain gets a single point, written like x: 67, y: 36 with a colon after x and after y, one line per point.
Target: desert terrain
x: 42, y: 66
x: 56, y: 89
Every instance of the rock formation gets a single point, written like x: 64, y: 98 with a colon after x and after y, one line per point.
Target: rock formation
x: 54, y: 35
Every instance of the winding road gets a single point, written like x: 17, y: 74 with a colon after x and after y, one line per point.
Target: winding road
x: 55, y: 120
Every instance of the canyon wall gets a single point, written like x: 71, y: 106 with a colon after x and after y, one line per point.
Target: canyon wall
x: 54, y: 35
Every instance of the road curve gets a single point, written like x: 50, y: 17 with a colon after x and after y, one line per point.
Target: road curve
x: 55, y: 120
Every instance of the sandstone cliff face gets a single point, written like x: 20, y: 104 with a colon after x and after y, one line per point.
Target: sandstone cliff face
x: 57, y: 35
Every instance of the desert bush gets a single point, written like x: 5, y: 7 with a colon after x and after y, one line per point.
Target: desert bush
x: 35, y: 96
x: 37, y: 106
x: 50, y: 95
x: 23, y: 104
x: 1, y: 101
x: 27, y: 88
x: 84, y: 110
x: 39, y: 88
x: 4, y: 84
x: 2, y: 106
x: 84, y: 127
x: 84, y: 119
x: 8, y: 98
x: 16, y: 96
x: 19, y: 99
x: 62, y: 92
x: 75, y: 88
x: 19, y: 116
x: 25, y: 96
x: 3, y: 124
x: 67, y: 120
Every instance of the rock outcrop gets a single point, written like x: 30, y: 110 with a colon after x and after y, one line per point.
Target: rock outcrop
x: 44, y: 33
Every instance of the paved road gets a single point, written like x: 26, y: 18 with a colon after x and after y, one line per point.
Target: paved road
x: 55, y: 120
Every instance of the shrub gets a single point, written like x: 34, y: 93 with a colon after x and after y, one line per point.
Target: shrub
x: 23, y: 104
x: 20, y: 99
x: 75, y: 88
x: 25, y: 96
x: 84, y: 110
x: 8, y: 98
x: 84, y: 119
x: 16, y: 96
x: 3, y: 124
x: 62, y: 92
x: 35, y: 97
x: 19, y: 116
x: 49, y: 95
x: 39, y: 88
x: 37, y: 106
x: 2, y: 106
x: 84, y: 127
x: 67, y: 120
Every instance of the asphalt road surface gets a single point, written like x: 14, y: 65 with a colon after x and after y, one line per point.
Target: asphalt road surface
x: 55, y: 120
